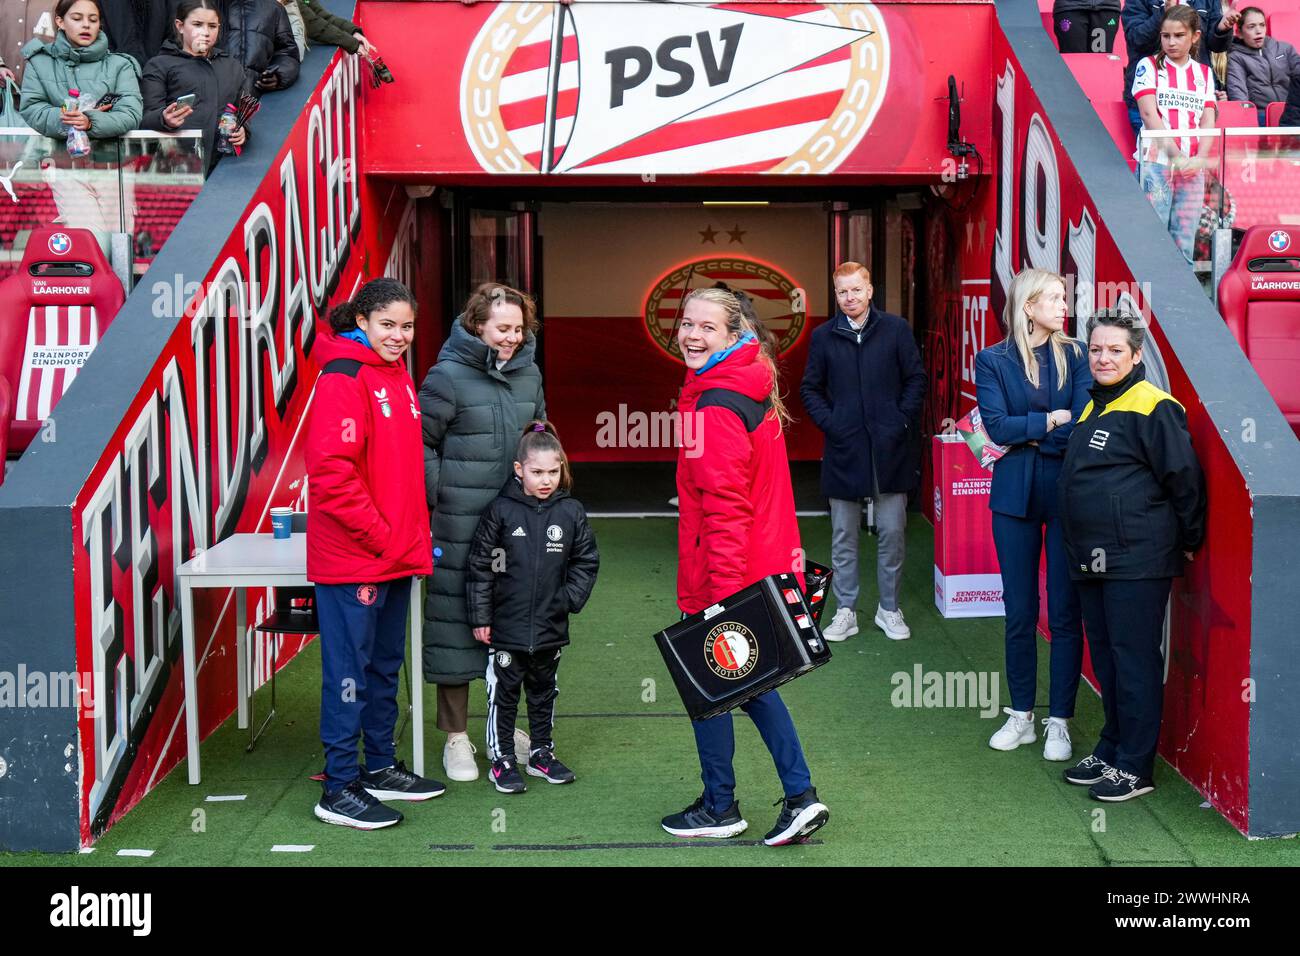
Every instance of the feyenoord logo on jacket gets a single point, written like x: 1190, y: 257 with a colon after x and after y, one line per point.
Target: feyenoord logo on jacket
x: 779, y: 303
x: 644, y: 88
x: 731, y: 650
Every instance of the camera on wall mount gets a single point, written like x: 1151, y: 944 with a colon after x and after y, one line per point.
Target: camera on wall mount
x: 958, y: 146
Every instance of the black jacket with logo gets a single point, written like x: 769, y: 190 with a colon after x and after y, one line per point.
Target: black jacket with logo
x: 1132, y: 493
x: 544, y: 572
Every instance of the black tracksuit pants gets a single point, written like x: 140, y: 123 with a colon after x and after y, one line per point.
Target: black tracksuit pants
x: 507, y: 673
x: 1124, y: 621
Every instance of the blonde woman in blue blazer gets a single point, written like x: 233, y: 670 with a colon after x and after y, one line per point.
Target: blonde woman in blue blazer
x: 1031, y: 388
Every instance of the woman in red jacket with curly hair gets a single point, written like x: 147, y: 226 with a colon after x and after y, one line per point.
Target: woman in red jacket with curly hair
x: 367, y: 537
x: 737, y: 525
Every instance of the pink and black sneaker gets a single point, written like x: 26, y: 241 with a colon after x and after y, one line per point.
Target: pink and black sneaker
x: 505, y: 776
x: 543, y: 764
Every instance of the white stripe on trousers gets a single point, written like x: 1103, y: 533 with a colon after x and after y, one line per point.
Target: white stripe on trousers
x: 491, y: 679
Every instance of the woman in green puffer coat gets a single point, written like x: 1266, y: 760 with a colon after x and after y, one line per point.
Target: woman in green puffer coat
x: 474, y: 402
x: 88, y: 193
x: 78, y: 59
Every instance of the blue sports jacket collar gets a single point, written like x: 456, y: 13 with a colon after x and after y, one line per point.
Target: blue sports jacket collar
x: 717, y: 357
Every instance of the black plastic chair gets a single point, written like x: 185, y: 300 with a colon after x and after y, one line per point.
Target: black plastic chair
x: 295, y: 613
x: 300, y: 619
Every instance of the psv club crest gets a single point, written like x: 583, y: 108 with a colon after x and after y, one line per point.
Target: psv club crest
x: 730, y: 650
x: 777, y: 300
x: 644, y: 88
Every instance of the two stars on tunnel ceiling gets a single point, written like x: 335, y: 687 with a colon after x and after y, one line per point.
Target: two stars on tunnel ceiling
x: 709, y: 234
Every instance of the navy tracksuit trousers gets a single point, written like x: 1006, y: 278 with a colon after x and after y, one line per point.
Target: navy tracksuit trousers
x: 715, y: 739
x: 362, y: 647
x: 1019, y: 542
x: 1125, y: 621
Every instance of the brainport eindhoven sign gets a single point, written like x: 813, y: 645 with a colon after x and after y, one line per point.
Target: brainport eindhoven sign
x: 673, y: 88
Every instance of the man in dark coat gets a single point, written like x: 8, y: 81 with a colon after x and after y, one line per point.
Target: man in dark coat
x: 1141, y: 20
x: 863, y: 386
x: 258, y: 34
x: 137, y: 27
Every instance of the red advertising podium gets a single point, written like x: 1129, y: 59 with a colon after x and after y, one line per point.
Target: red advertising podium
x: 967, y: 581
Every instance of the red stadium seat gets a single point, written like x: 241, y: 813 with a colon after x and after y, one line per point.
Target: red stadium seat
x: 1237, y: 114
x: 1259, y: 299
x: 53, y: 311
x: 1101, y: 77
x: 1285, y: 25
x: 1273, y: 113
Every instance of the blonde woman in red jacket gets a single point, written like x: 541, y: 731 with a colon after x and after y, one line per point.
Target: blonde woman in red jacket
x: 367, y: 536
x: 736, y: 526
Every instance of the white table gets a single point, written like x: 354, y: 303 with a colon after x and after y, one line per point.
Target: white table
x: 258, y: 561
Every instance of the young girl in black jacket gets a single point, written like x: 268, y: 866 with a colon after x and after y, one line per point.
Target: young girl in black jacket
x: 532, y: 563
x: 192, y: 64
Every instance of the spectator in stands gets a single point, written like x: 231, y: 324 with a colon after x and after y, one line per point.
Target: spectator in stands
x: 1291, y: 112
x: 1181, y: 98
x: 1085, y: 26
x: 325, y: 27
x: 258, y: 34
x: 137, y: 28
x: 79, y: 59
x: 1132, y: 504
x: 6, y: 73
x: 194, y: 63
x: 1261, y: 69
x: 1142, y: 19
x: 296, y: 24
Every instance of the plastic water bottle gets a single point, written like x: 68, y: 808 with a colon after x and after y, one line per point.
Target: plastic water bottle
x: 225, y: 128
x: 77, y: 141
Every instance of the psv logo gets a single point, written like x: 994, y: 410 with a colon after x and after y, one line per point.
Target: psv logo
x: 778, y: 301
x: 643, y: 88
x: 730, y: 650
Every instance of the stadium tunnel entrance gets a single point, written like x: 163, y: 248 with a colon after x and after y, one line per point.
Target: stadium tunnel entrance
x: 609, y: 269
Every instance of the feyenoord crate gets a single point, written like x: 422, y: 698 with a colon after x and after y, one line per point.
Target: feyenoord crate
x: 743, y: 646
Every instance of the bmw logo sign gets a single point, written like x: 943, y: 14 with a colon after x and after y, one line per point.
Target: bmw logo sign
x: 60, y: 243
x: 1279, y: 240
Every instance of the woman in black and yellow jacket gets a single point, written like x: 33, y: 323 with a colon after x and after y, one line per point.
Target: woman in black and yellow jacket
x: 1132, y: 502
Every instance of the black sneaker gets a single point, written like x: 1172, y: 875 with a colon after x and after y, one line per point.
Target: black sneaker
x: 800, y: 817
x: 354, y: 807
x: 398, y: 783
x: 1119, y: 785
x: 505, y: 776
x: 697, y: 821
x: 1087, y: 771
x: 543, y: 764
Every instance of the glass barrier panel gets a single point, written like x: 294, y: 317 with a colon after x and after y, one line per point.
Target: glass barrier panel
x: 162, y: 173
x: 1180, y: 172
x: 1261, y: 178
x: 140, y: 185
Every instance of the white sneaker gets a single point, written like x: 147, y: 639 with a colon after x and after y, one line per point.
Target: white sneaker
x: 843, y: 626
x: 892, y: 623
x: 1056, y: 744
x: 1019, y: 729
x: 458, y: 758
x: 523, y: 747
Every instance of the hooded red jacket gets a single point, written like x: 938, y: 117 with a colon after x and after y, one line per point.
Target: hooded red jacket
x: 736, y: 504
x: 369, y: 521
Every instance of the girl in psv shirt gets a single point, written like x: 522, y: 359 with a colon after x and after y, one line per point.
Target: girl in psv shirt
x: 367, y: 536
x: 1174, y: 92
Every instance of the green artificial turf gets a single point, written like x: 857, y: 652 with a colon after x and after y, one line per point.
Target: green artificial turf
x: 906, y: 786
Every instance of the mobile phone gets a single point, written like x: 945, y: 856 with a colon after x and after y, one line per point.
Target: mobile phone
x: 108, y: 99
x: 187, y: 100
